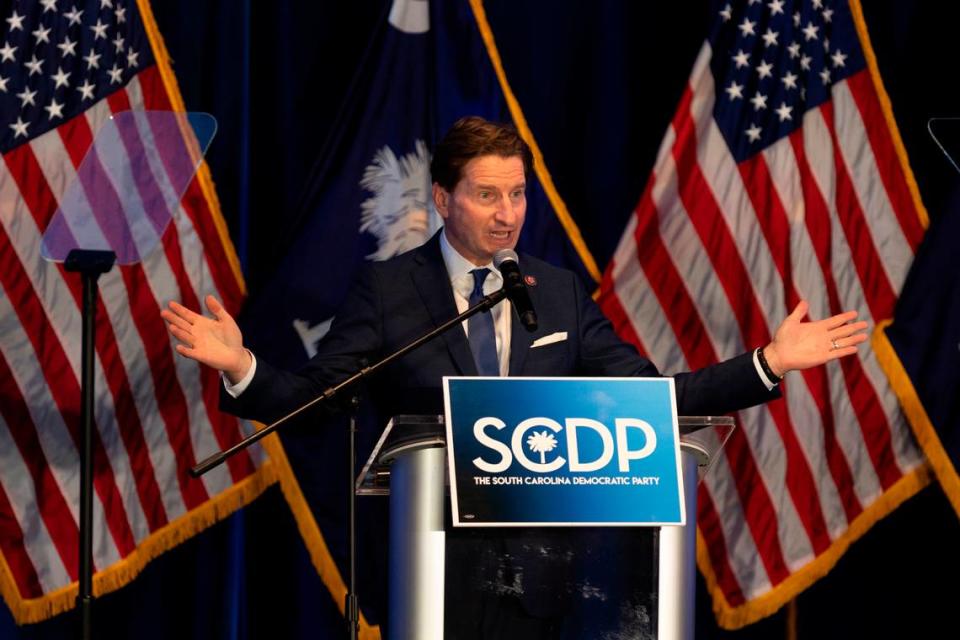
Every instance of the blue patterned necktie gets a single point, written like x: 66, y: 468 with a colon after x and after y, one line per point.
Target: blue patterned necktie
x: 483, y: 341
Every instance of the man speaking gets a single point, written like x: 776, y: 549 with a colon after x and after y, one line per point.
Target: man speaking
x: 479, y: 172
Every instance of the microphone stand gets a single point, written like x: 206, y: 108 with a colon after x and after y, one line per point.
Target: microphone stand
x: 351, y: 606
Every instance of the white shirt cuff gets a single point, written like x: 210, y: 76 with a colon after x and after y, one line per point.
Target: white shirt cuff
x: 763, y: 376
x: 236, y: 389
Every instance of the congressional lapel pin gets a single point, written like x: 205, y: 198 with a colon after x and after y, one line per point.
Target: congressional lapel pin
x: 530, y: 280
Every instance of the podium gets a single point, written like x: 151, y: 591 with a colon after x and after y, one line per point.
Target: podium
x: 409, y: 464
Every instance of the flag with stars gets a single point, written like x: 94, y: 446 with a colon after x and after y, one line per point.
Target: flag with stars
x: 65, y: 67
x: 781, y: 178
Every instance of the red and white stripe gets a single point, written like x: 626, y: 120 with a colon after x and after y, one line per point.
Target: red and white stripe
x: 156, y: 413
x: 716, y: 255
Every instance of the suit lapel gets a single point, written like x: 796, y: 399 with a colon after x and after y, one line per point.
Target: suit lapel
x: 520, y: 341
x: 433, y: 285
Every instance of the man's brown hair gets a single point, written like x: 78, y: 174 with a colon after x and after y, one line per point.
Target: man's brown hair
x: 472, y: 137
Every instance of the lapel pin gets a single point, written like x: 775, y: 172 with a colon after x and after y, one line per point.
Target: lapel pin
x: 530, y: 280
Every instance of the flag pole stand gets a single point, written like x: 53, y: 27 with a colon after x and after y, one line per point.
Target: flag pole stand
x: 90, y: 264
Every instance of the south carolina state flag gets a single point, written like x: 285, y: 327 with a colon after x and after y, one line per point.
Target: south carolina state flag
x: 368, y: 198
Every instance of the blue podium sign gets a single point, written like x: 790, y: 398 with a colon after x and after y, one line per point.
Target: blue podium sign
x: 563, y: 451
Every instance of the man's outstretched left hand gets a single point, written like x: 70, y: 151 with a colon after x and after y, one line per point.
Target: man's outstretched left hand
x: 800, y: 345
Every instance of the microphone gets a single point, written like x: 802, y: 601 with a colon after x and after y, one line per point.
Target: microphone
x: 505, y: 261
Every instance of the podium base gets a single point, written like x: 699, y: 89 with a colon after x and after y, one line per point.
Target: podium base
x: 417, y: 545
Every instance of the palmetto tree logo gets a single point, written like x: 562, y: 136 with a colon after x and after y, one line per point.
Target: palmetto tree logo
x: 541, y: 443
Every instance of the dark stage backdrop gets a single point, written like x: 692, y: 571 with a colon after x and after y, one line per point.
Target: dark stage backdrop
x: 275, y: 75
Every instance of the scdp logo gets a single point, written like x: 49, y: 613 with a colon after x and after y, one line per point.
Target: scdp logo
x: 538, y: 435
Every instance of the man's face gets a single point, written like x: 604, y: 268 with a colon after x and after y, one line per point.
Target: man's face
x: 485, y: 211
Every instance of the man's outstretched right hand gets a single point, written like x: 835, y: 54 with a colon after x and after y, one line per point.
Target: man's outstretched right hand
x: 216, y: 342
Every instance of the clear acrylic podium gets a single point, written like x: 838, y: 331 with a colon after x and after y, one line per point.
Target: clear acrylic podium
x: 409, y: 465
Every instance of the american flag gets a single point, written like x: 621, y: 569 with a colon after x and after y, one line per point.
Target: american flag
x: 781, y: 178
x: 65, y: 67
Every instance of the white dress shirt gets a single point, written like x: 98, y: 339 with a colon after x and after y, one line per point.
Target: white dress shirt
x: 461, y: 280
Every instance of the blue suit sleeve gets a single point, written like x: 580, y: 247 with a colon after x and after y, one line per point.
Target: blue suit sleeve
x: 354, y: 337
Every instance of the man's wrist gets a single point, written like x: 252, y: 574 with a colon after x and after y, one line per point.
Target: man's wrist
x: 770, y: 365
x: 236, y: 374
